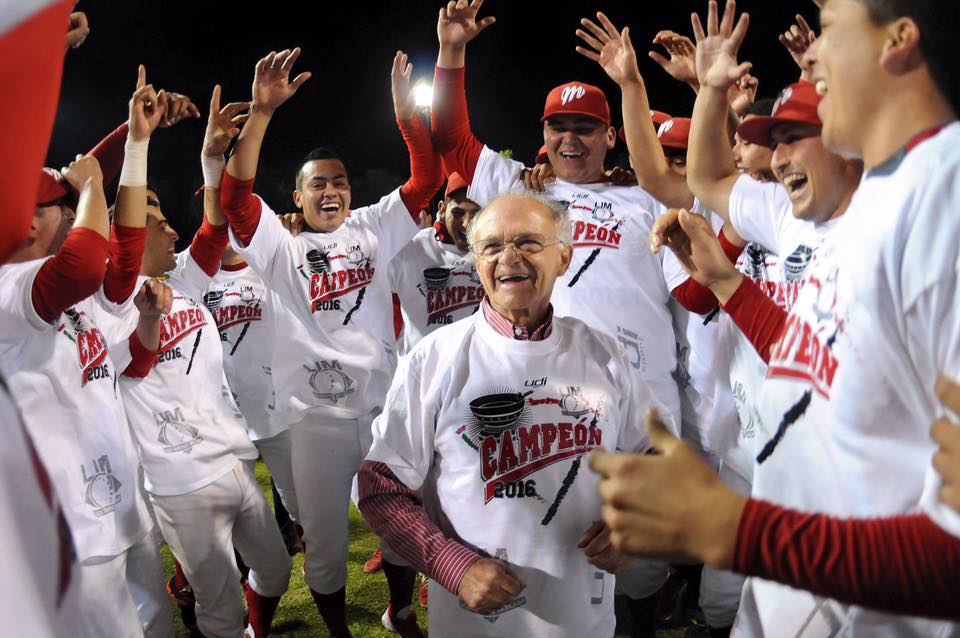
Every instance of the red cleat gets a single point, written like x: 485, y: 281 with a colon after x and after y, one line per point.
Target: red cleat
x: 422, y: 593
x: 374, y: 563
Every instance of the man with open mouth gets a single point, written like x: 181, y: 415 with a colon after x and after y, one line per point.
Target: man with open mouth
x: 491, y: 417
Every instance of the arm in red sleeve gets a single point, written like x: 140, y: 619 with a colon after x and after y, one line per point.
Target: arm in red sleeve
x: 72, y: 275
x: 759, y: 318
x: 124, y: 261
x: 425, y: 174
x: 396, y: 514
x: 451, y: 123
x: 240, y: 206
x: 143, y: 358
x: 109, y: 152
x: 903, y: 564
x: 698, y: 298
x: 208, y: 245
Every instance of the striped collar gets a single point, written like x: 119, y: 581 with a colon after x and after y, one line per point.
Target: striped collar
x: 507, y: 328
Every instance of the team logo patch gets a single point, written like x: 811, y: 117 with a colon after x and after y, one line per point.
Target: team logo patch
x: 782, y: 100
x: 174, y: 433
x: 102, y: 491
x: 571, y: 93
x: 329, y: 280
x: 329, y: 382
x: 91, y: 346
x: 796, y: 264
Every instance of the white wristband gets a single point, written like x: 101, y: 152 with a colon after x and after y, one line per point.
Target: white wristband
x: 134, y: 171
x: 213, y: 168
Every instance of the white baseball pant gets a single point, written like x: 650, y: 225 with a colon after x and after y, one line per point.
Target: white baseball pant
x: 720, y: 589
x: 123, y: 596
x: 275, y: 452
x: 326, y: 455
x: 203, y: 527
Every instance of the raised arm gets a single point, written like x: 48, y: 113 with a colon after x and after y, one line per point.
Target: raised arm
x: 711, y: 170
x: 456, y: 26
x: 614, y: 52
x: 77, y: 270
x: 154, y: 300
x: 796, y: 40
x: 271, y: 88
x: 426, y: 175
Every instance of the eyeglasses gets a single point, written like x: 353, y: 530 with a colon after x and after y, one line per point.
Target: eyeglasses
x: 491, y: 249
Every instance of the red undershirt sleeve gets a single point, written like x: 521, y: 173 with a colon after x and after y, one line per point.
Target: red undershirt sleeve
x: 425, y: 173
x: 240, y: 206
x: 72, y: 275
x: 208, y: 245
x: 451, y: 123
x: 109, y: 152
x: 396, y: 513
x: 143, y: 358
x: 759, y: 318
x: 903, y: 564
x: 696, y: 297
x: 124, y: 260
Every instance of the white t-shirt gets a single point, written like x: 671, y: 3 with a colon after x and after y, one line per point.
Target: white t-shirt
x: 65, y: 381
x: 437, y: 285
x: 499, y: 429
x: 873, y: 325
x: 243, y: 310
x: 614, y: 282
x: 187, y: 426
x: 762, y: 213
x: 43, y: 602
x: 335, y: 348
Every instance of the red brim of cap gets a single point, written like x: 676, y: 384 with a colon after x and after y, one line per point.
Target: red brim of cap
x: 52, y: 188
x: 756, y: 130
x: 592, y: 116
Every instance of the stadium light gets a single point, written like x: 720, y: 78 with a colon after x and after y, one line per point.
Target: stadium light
x: 423, y: 93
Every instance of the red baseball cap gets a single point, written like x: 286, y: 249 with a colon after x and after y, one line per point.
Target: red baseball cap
x: 577, y: 98
x: 55, y: 189
x: 542, y: 156
x: 675, y: 133
x: 658, y: 118
x: 455, y: 182
x: 797, y: 104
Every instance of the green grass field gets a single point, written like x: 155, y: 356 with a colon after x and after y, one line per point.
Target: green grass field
x: 366, y: 594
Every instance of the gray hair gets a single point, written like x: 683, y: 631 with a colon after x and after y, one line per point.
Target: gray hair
x: 560, y: 216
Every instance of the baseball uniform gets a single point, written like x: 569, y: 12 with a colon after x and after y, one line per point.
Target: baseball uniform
x: 437, y: 285
x: 242, y: 308
x: 497, y: 430
x: 848, y: 402
x: 197, y: 461
x: 65, y: 375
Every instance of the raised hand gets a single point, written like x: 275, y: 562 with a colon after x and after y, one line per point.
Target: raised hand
x: 83, y: 171
x: 271, y: 81
x: 797, y: 39
x: 404, y: 103
x: 222, y: 124
x: 147, y: 108
x: 489, y: 585
x: 611, y: 49
x: 742, y: 94
x: 538, y: 177
x: 682, y: 65
x: 293, y: 223
x: 458, y: 23
x: 177, y: 108
x: 717, y: 48
x: 154, y: 299
x: 78, y: 30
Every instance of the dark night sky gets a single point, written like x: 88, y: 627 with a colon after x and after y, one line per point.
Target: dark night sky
x: 346, y: 105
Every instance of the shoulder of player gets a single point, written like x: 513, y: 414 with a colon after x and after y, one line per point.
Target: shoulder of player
x: 576, y: 334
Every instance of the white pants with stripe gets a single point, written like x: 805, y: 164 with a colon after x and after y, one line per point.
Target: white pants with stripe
x: 123, y: 596
x: 203, y: 527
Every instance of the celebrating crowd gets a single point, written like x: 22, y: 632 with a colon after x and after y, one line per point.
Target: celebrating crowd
x: 735, y: 363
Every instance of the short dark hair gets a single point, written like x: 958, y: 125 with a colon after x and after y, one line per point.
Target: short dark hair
x: 762, y: 107
x: 319, y: 153
x: 939, y: 23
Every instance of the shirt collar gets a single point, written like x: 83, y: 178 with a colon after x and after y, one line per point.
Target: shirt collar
x: 507, y: 328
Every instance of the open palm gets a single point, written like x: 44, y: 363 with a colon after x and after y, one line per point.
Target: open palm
x: 458, y: 22
x: 717, y: 49
x: 271, y: 81
x: 609, y: 48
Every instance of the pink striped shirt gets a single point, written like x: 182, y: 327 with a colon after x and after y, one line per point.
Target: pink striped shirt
x: 396, y: 513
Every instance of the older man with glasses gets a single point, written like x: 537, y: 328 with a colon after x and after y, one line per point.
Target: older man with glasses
x: 490, y: 418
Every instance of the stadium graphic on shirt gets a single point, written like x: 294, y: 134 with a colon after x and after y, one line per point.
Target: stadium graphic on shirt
x: 174, y: 433
x: 519, y: 434
x: 332, y: 272
x: 102, y: 491
x: 449, y: 289
x: 329, y: 382
x: 91, y: 346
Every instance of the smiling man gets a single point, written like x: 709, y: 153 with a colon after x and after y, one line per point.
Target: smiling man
x: 491, y: 417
